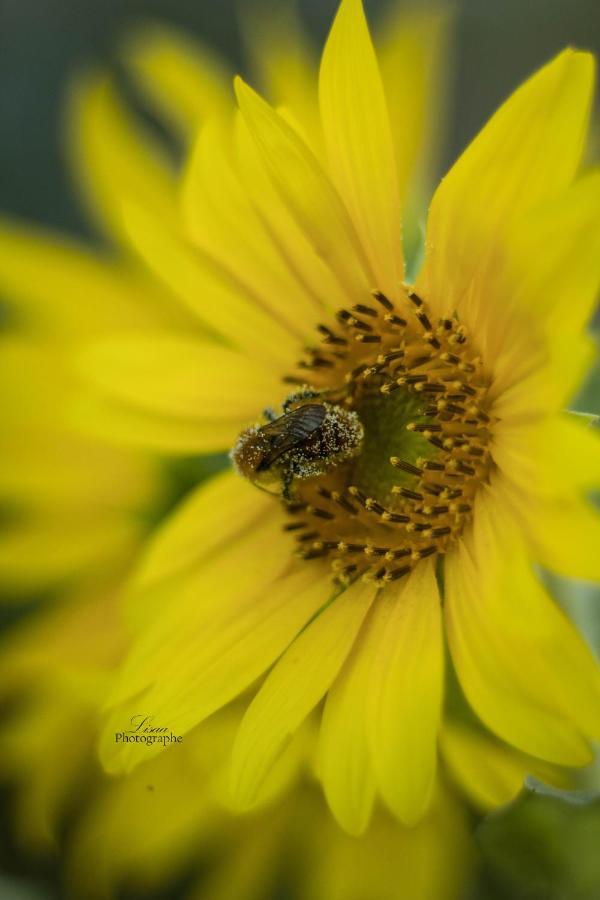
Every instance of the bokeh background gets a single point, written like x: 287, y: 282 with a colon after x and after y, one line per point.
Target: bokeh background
x: 547, y: 848
x: 43, y: 42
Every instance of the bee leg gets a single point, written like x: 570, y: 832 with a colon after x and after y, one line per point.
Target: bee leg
x: 307, y: 394
x: 269, y: 414
x: 288, y: 474
x: 288, y: 477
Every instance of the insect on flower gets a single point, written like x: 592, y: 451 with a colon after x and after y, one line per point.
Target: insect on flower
x: 308, y: 439
x: 434, y: 523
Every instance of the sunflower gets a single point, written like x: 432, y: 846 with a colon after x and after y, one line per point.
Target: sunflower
x: 431, y: 514
x: 417, y: 453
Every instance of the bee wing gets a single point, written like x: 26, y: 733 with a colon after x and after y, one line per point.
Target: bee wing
x: 291, y: 430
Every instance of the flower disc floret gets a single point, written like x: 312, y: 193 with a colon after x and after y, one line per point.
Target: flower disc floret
x: 420, y: 391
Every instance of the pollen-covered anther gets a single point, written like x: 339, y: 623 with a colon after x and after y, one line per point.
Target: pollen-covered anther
x: 394, y: 574
x: 330, y: 337
x: 319, y: 513
x: 384, y: 359
x: 397, y: 553
x: 406, y: 492
x: 346, y: 573
x: 294, y: 526
x: 368, y: 338
x: 370, y: 550
x: 406, y: 466
x: 343, y: 502
x: 426, y: 428
x: 381, y: 298
x: 376, y: 576
x: 397, y: 518
x: 394, y: 320
x: 355, y: 491
x: 364, y: 310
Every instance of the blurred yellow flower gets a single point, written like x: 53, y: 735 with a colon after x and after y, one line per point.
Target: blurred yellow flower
x: 284, y: 217
x: 73, y: 504
x: 169, y: 819
x: 458, y: 383
x: 89, y: 504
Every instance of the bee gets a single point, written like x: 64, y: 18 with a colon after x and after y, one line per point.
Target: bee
x: 307, y: 440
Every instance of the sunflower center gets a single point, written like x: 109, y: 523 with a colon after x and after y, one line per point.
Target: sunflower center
x: 408, y: 401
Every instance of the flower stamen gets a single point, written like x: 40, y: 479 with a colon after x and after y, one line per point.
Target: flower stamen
x: 419, y: 389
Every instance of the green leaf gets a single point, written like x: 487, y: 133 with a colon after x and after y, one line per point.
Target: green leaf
x: 588, y: 398
x: 543, y: 846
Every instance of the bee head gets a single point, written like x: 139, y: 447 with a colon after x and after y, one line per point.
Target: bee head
x: 249, y: 452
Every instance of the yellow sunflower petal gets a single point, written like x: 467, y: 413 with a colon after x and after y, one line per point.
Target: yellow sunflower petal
x: 216, y: 298
x: 45, y: 464
x: 526, y: 153
x: 309, y: 268
x: 222, y: 220
x: 498, y: 615
x: 186, y: 81
x: 496, y: 689
x: 543, y: 300
x: 242, y: 638
x: 562, y: 286
x: 412, y: 51
x: 285, y: 62
x: 421, y: 863
x: 562, y: 657
x: 296, y: 684
x: 563, y: 531
x: 284, y: 774
x: 406, y: 688
x: 489, y: 772
x: 348, y: 778
x: 63, y: 290
x: 236, y: 646
x: 64, y: 546
x: 307, y: 192
x: 566, y: 535
x: 548, y: 374
x: 113, y: 157
x: 178, y: 376
x: 554, y: 457
x: 359, y: 143
x: 199, y: 525
x: 78, y: 636
x: 127, y: 426
x: 167, y: 635
x: 56, y: 470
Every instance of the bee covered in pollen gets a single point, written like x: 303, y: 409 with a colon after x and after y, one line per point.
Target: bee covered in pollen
x: 310, y: 437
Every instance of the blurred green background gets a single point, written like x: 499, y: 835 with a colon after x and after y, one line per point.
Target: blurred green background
x: 544, y: 847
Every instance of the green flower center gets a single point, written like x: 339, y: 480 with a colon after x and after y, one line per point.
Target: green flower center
x: 385, y: 421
